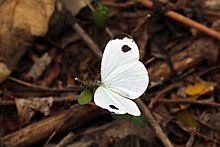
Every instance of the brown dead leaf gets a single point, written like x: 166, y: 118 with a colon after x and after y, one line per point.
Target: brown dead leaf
x: 32, y: 16
x: 4, y: 71
x: 27, y: 107
x: 20, y: 20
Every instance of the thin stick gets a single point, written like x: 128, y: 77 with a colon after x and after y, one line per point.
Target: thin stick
x: 95, y: 48
x: 69, y: 98
x: 31, y: 85
x: 188, y: 101
x: 140, y: 24
x: 187, y: 21
x: 153, y: 124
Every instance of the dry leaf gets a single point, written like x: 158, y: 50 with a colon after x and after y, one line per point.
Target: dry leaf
x: 32, y: 16
x: 199, y: 88
x: 4, y: 72
x: 20, y: 20
x: 27, y: 107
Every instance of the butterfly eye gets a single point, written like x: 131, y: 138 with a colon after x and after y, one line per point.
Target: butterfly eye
x: 113, y: 107
x: 125, y: 48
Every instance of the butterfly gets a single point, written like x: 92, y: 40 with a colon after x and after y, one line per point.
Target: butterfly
x: 123, y: 77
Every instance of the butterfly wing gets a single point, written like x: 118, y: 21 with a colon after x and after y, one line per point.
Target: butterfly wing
x: 129, y: 81
x: 121, y: 70
x: 118, y: 52
x: 118, y: 104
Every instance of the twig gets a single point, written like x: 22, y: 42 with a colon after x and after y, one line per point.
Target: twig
x: 67, y: 139
x: 69, y: 98
x: 74, y: 89
x: 176, y: 16
x: 122, y: 4
x: 95, y: 48
x: 140, y: 24
x: 187, y: 101
x: 152, y: 122
x: 162, y: 92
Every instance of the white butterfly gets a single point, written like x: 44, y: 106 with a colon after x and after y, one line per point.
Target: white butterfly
x: 123, y: 77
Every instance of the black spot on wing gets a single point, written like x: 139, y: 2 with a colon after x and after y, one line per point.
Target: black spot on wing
x: 125, y: 48
x: 113, y: 107
x: 121, y: 36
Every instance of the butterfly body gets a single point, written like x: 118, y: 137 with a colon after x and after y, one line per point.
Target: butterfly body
x: 123, y: 77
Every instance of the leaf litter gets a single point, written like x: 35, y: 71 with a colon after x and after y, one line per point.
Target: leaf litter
x: 54, y: 42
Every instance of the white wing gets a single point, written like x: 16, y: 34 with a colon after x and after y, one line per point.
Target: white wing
x: 114, y: 56
x: 130, y: 81
x: 121, y: 70
x: 110, y: 100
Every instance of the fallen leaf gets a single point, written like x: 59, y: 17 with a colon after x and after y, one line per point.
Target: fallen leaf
x: 199, y: 88
x: 4, y: 72
x: 20, y: 20
x: 32, y: 16
x: 28, y: 107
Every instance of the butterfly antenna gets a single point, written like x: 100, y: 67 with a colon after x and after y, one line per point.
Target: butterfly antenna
x: 84, y: 84
x: 140, y: 24
x: 90, y: 71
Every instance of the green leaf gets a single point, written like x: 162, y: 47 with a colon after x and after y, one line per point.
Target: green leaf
x: 101, y: 16
x: 85, y: 97
x: 140, y: 121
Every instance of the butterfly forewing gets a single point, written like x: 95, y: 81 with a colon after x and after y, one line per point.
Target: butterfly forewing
x: 118, y: 52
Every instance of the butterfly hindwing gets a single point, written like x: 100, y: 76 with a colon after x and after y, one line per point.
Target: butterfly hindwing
x: 107, y: 99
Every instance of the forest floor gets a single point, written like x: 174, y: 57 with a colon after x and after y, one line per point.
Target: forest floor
x: 45, y: 45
